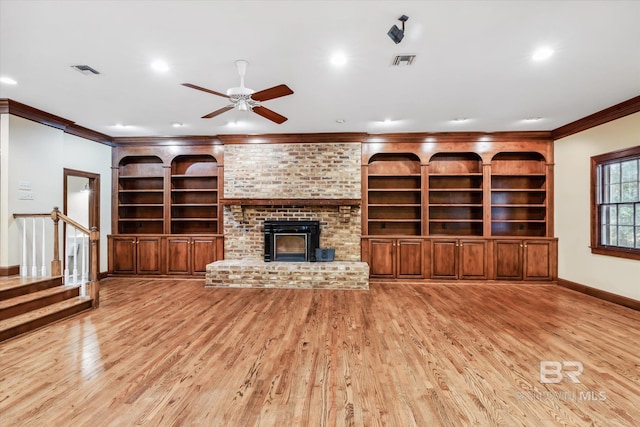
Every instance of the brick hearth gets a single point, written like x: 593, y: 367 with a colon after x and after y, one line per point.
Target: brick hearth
x: 260, y: 274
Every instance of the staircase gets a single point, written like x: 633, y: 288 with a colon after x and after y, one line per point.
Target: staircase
x: 30, y: 303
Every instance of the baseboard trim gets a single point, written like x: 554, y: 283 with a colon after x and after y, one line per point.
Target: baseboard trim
x: 600, y: 294
x: 11, y: 270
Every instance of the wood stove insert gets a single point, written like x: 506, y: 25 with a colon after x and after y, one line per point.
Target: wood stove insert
x: 291, y: 240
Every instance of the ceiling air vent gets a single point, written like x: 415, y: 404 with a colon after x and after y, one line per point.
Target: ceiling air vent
x: 85, y: 69
x: 405, y: 59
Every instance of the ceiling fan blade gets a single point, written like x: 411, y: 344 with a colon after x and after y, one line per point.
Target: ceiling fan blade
x: 205, y: 90
x: 220, y: 111
x: 269, y: 114
x: 271, y: 93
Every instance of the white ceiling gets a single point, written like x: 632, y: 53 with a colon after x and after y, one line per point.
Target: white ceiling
x: 473, y: 61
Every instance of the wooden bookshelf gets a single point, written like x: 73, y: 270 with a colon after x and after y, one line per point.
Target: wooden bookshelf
x: 518, y: 195
x: 194, y: 195
x: 140, y: 195
x: 455, y: 202
x: 394, y: 195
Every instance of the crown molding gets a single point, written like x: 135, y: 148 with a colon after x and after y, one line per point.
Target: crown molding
x: 422, y: 137
x: 9, y: 106
x: 631, y: 106
x: 614, y: 112
x: 129, y: 141
x: 290, y: 138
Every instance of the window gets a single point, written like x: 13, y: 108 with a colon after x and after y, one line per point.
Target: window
x: 615, y: 203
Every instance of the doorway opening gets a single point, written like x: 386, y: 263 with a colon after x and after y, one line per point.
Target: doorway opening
x: 82, y: 204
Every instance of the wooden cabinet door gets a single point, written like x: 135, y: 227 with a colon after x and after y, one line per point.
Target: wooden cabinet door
x: 148, y: 255
x: 123, y: 255
x: 444, y: 259
x: 178, y: 255
x: 409, y: 259
x: 382, y: 258
x: 508, y: 259
x: 537, y: 260
x: 203, y: 252
x: 473, y: 259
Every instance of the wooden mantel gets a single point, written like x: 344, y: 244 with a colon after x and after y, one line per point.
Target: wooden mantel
x: 344, y: 206
x: 291, y: 202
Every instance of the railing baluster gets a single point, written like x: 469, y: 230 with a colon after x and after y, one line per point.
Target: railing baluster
x: 43, y: 269
x: 34, y: 267
x: 23, y: 269
x: 75, y: 253
x: 65, y: 261
x: 84, y: 264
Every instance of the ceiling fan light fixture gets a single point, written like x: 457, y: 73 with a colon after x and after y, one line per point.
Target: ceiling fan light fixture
x: 242, y: 105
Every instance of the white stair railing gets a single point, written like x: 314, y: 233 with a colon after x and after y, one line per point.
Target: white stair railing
x: 76, y: 249
x: 80, y: 265
x: 31, y: 242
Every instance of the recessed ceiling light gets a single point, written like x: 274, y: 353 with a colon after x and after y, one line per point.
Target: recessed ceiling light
x: 460, y: 120
x: 542, y: 54
x: 533, y: 119
x: 340, y: 121
x: 120, y: 126
x: 177, y: 125
x: 160, y: 66
x: 338, y: 59
x: 8, y: 81
x: 387, y: 121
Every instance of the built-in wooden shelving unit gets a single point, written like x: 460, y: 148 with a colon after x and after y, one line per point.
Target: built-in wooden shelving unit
x: 194, y: 194
x: 394, y: 195
x: 459, y: 206
x: 140, y: 195
x: 455, y: 194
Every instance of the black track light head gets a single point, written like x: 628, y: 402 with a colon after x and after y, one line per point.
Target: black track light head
x: 396, y: 34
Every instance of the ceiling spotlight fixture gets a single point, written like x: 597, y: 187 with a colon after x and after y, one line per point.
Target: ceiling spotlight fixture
x: 339, y: 59
x: 160, y: 66
x: 396, y: 34
x: 542, y: 54
x: 177, y: 125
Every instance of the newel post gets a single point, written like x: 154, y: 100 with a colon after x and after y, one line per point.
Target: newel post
x: 56, y: 266
x: 94, y: 284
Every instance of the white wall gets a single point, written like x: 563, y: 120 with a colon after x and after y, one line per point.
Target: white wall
x: 38, y: 154
x: 572, y: 208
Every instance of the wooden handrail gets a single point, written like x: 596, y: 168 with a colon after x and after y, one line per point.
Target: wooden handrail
x: 30, y: 215
x: 69, y: 221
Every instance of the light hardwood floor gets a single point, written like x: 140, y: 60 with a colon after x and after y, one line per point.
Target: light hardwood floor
x: 169, y: 352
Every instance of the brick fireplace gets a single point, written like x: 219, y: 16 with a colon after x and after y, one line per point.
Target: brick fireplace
x: 291, y: 182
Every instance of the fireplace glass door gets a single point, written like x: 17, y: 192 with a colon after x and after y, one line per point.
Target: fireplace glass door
x: 290, y: 247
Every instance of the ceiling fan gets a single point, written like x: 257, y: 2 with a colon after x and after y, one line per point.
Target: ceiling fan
x: 245, y: 99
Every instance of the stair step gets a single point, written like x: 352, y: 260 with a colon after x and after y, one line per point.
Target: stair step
x: 26, y: 322
x: 16, y: 286
x: 35, y: 300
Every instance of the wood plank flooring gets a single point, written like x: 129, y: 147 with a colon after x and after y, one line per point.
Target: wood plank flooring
x: 170, y: 352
